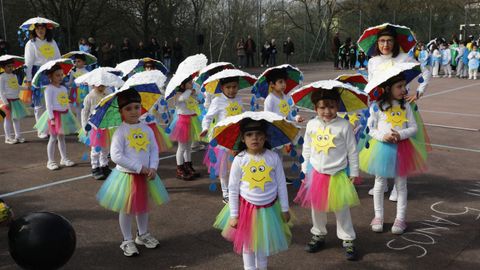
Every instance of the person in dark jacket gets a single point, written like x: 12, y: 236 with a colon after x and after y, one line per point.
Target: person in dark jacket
x: 288, y: 50
x: 250, y: 50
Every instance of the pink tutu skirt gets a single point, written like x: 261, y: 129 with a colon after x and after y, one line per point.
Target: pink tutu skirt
x: 64, y: 123
x: 185, y: 128
x: 218, y: 160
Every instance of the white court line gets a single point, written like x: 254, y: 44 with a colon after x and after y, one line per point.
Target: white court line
x: 23, y: 132
x: 449, y: 90
x: 452, y: 113
x: 59, y: 182
x: 452, y: 127
x: 455, y: 148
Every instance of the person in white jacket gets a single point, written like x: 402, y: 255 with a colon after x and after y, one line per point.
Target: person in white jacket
x: 459, y: 59
x: 473, y: 62
x: 446, y: 61
x: 436, y: 60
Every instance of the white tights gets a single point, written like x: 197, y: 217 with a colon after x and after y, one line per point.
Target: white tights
x: 61, y: 147
x: 378, y: 193
x: 7, y: 126
x: 254, y: 260
x: 184, y: 152
x: 125, y: 221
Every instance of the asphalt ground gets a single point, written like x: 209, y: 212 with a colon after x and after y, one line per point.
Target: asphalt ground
x: 443, y: 204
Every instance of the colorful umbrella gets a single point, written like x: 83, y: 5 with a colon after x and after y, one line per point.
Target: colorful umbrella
x: 193, y: 64
x: 41, y: 79
x: 148, y: 84
x: 133, y: 66
x: 90, y: 59
x: 294, y: 78
x: 279, y: 130
x: 212, y: 84
x: 99, y: 77
x: 175, y: 83
x: 4, y: 111
x: 404, y: 37
x: 209, y: 70
x: 30, y: 23
x: 111, y: 70
x: 158, y: 65
x: 351, y: 99
x: 18, y: 61
x: 409, y: 71
x: 357, y: 80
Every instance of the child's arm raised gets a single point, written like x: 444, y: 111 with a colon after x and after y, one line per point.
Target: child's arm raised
x: 208, y: 118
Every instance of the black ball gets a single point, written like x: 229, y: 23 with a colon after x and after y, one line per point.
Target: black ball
x: 41, y: 240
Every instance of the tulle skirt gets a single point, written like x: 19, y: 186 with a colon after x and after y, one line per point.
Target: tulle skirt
x: 96, y: 137
x: 64, y: 123
x: 129, y: 193
x: 218, y: 160
x: 327, y: 193
x: 163, y: 141
x: 259, y: 228
x: 17, y: 109
x: 185, y: 128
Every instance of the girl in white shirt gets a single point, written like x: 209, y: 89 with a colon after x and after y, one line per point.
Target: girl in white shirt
x: 78, y: 92
x: 329, y: 147
x: 134, y: 179
x: 393, y: 151
x: 255, y: 219
x: 57, y: 120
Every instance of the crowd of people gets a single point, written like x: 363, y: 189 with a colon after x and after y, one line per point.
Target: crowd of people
x: 246, y: 52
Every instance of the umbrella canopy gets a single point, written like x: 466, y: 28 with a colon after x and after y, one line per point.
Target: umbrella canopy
x: 351, y: 99
x: 148, y: 84
x: 193, y: 64
x: 99, y: 77
x: 279, y: 130
x: 212, y: 84
x: 404, y: 37
x: 294, y: 78
x: 41, y: 77
x: 18, y: 61
x: 211, y: 69
x: 30, y: 23
x: 357, y: 80
x: 90, y: 59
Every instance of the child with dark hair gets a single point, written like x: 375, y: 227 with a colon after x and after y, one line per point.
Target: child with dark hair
x: 78, y: 92
x: 329, y: 147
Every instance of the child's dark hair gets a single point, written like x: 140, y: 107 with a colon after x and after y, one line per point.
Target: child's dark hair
x: 386, y: 96
x: 277, y: 74
x: 390, y: 33
x: 249, y: 124
x: 48, y: 33
x: 181, y: 88
x: 81, y: 57
x: 226, y: 80
x: 330, y: 96
x: 128, y: 96
x: 53, y: 69
x: 6, y: 62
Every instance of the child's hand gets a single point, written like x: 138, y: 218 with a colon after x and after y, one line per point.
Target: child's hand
x: 144, y: 170
x: 233, y: 222
x: 151, y: 174
x: 52, y: 122
x: 352, y: 179
x: 396, y: 135
x: 203, y: 133
x: 389, y: 138
x: 411, y: 98
x: 299, y: 119
x: 286, y: 216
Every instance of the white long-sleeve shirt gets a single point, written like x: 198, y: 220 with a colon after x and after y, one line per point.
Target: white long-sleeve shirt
x: 75, y: 74
x: 381, y: 123
x: 220, y: 108
x: 134, y: 147
x: 56, y: 99
x: 244, y: 180
x: 37, y: 53
x: 185, y: 103
x: 90, y: 102
x: 330, y: 146
x: 278, y: 105
x: 9, y: 87
x: 380, y: 62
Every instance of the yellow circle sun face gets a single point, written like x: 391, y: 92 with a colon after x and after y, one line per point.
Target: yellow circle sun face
x: 137, y: 139
x: 47, y: 51
x: 396, y: 116
x: 257, y: 174
x: 283, y: 107
x: 13, y: 83
x: 322, y: 140
x: 191, y: 104
x: 78, y: 73
x: 62, y: 99
x: 233, y: 108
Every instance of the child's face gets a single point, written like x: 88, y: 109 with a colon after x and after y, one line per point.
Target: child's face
x: 279, y: 86
x: 327, y: 109
x: 131, y: 113
x: 149, y: 67
x: 230, y: 89
x: 79, y: 63
x: 398, y: 90
x: 8, y: 68
x: 474, y: 48
x: 40, y: 30
x: 56, y: 77
x: 100, y: 88
x: 385, y: 44
x: 254, y: 140
x: 188, y: 85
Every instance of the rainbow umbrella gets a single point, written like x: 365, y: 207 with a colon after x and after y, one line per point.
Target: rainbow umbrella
x: 404, y: 36
x: 30, y: 23
x: 351, y: 99
x: 41, y: 79
x: 212, y: 84
x: 158, y: 65
x: 133, y: 66
x: 4, y: 111
x: 18, y: 61
x: 279, y: 130
x: 90, y: 58
x: 209, y: 70
x: 409, y: 70
x: 187, y: 69
x: 294, y: 78
x: 357, y: 80
x: 148, y: 85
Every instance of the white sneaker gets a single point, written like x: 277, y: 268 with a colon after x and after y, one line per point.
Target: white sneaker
x: 399, y: 226
x: 42, y: 135
x: 52, y: 166
x: 147, y: 240
x: 67, y: 163
x: 393, y: 195
x: 377, y: 225
x: 10, y: 141
x: 20, y: 139
x: 370, y: 192
x: 129, y: 248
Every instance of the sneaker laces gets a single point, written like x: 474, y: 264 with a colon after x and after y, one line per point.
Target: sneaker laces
x: 149, y: 239
x: 315, y: 239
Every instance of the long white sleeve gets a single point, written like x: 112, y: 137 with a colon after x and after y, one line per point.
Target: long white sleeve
x: 212, y: 111
x: 29, y: 60
x: 184, y: 96
x: 86, y: 110
x: 49, y: 100
x: 3, y: 89
x: 234, y: 187
x: 306, y: 149
x: 411, y: 128
x: 372, y: 124
x: 352, y: 154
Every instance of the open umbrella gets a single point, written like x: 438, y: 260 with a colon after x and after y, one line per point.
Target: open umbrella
x: 90, y: 59
x: 294, y: 78
x: 404, y: 37
x: 41, y: 79
x: 357, y: 80
x: 99, y: 77
x: 17, y: 61
x: 209, y: 70
x: 30, y: 23
x: 212, y: 84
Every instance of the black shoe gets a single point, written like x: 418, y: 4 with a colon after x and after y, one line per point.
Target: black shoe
x: 350, y: 252
x: 289, y: 181
x: 97, y: 173
x: 317, y: 242
x: 225, y: 200
x: 106, y: 171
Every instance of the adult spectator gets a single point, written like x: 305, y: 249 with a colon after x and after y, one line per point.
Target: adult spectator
x: 336, y: 43
x: 273, y: 53
x: 265, y: 54
x: 83, y: 45
x: 126, y: 50
x: 177, y: 52
x: 241, y: 53
x: 154, y: 48
x: 141, y: 51
x: 167, y: 54
x: 93, y: 46
x: 107, y: 53
x: 288, y: 49
x: 250, y: 49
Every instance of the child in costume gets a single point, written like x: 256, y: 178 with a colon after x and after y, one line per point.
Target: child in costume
x: 185, y: 128
x: 78, y: 92
x: 9, y: 91
x: 255, y: 219
x: 57, y: 120
x: 328, y: 149
x: 473, y: 62
x: 393, y: 151
x: 224, y: 105
x: 134, y: 179
x: 446, y: 61
x: 98, y: 138
x: 461, y: 50
x: 436, y: 59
